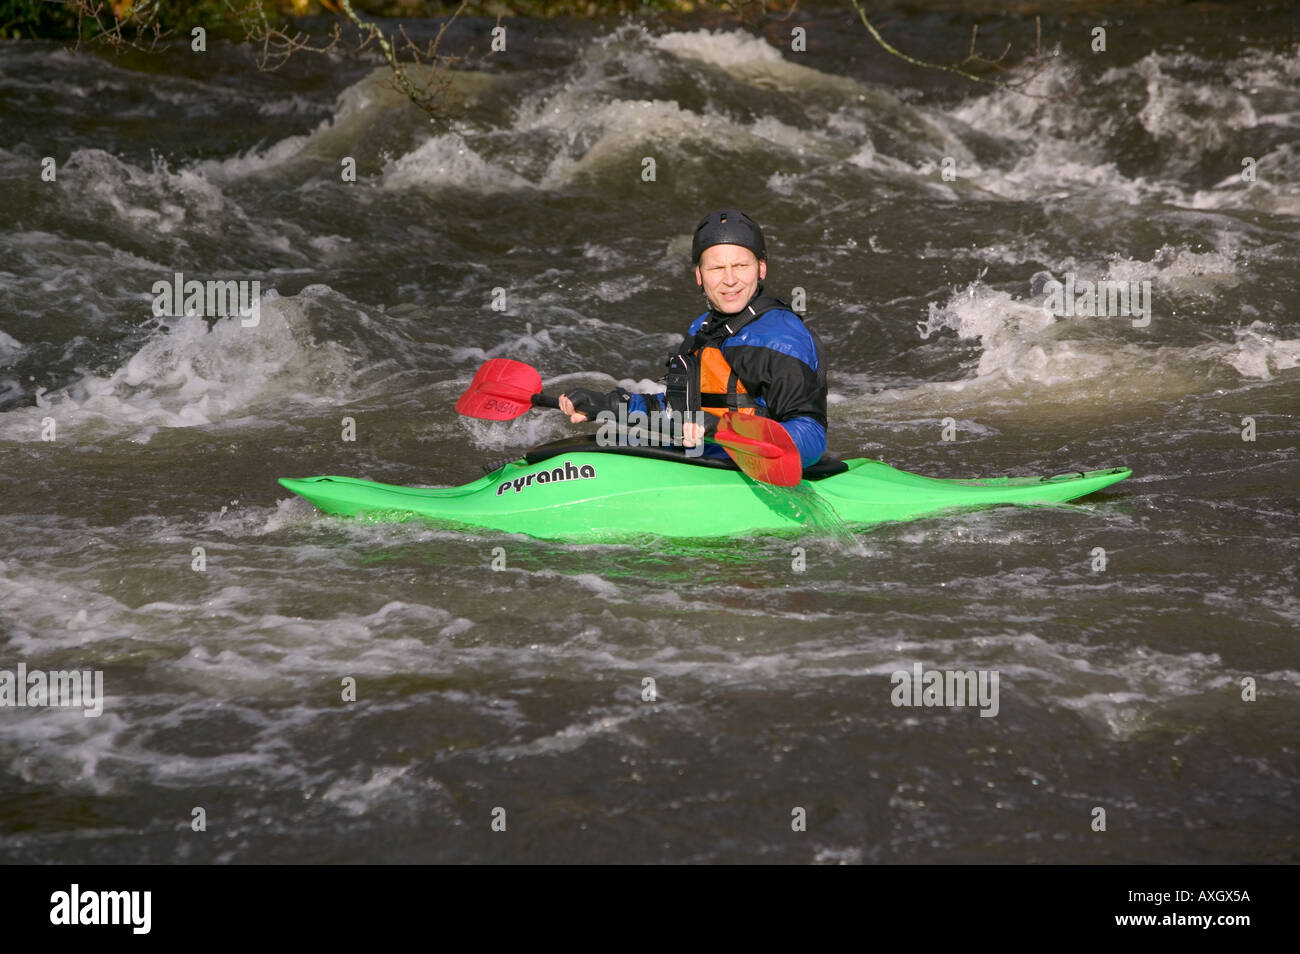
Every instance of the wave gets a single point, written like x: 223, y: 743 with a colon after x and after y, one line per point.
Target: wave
x: 190, y: 372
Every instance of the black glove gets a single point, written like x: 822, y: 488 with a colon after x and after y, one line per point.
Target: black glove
x: 588, y: 402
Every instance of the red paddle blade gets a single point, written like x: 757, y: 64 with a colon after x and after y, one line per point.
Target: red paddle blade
x: 761, y: 448
x: 501, y: 390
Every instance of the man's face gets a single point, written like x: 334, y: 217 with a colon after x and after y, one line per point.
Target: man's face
x: 730, y: 275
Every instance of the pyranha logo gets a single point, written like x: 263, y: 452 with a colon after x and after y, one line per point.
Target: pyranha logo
x: 568, y: 472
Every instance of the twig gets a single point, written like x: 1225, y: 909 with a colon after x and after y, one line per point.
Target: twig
x: 276, y: 44
x: 430, y: 96
x: 143, y: 18
x: 753, y: 12
x: 1014, y: 87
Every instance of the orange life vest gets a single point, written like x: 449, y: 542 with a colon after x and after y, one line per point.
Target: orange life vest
x: 700, y: 377
x: 720, y: 389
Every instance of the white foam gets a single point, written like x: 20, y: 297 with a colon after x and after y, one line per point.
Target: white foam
x: 1275, y: 188
x: 1186, y: 107
x: 371, y: 102
x: 188, y: 374
x: 1023, y: 344
x: 567, y: 739
x: 601, y: 134
x: 596, y: 584
x: 357, y: 798
x: 62, y: 748
x: 446, y: 161
x: 1011, y: 116
x: 591, y: 127
x: 526, y: 431
x: 1260, y: 354
x: 253, y: 160
x: 730, y: 49
x: 1010, y: 334
x: 157, y: 200
x: 1197, y: 116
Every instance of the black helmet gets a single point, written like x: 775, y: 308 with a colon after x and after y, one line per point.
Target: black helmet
x: 728, y: 227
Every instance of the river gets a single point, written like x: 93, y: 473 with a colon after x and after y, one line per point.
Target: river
x: 286, y: 686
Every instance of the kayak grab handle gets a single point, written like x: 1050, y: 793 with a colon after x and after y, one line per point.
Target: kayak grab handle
x: 1069, y: 474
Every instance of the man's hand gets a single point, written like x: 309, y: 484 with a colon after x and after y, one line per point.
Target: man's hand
x: 583, y: 403
x: 567, y: 407
x: 692, y: 433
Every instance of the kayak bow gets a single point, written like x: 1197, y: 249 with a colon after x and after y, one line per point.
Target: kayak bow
x: 574, y: 490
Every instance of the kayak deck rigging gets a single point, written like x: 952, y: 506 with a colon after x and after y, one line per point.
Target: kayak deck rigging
x: 828, y: 466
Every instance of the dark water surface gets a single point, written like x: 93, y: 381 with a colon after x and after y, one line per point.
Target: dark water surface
x: 1120, y: 688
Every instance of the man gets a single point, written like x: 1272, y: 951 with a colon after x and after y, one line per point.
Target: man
x: 749, y: 352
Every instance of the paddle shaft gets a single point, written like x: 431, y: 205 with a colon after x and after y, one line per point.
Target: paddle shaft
x: 640, y: 433
x: 503, y: 389
x: 645, y: 436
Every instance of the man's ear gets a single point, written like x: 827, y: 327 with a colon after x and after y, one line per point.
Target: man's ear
x: 762, y: 269
x: 699, y: 279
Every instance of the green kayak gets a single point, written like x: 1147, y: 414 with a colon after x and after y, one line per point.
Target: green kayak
x: 574, y: 490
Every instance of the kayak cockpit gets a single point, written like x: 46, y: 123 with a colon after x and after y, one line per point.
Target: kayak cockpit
x: 828, y: 466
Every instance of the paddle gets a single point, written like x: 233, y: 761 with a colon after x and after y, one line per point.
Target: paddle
x: 504, y: 389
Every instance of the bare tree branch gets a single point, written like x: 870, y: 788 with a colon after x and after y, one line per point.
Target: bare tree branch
x: 973, y: 58
x: 752, y: 13
x: 277, y: 46
x: 431, y: 95
x: 135, y: 24
x: 127, y: 23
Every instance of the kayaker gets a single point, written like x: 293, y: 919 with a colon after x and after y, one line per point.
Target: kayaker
x: 749, y: 352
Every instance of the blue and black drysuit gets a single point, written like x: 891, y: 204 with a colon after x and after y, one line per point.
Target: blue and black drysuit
x: 779, y: 361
